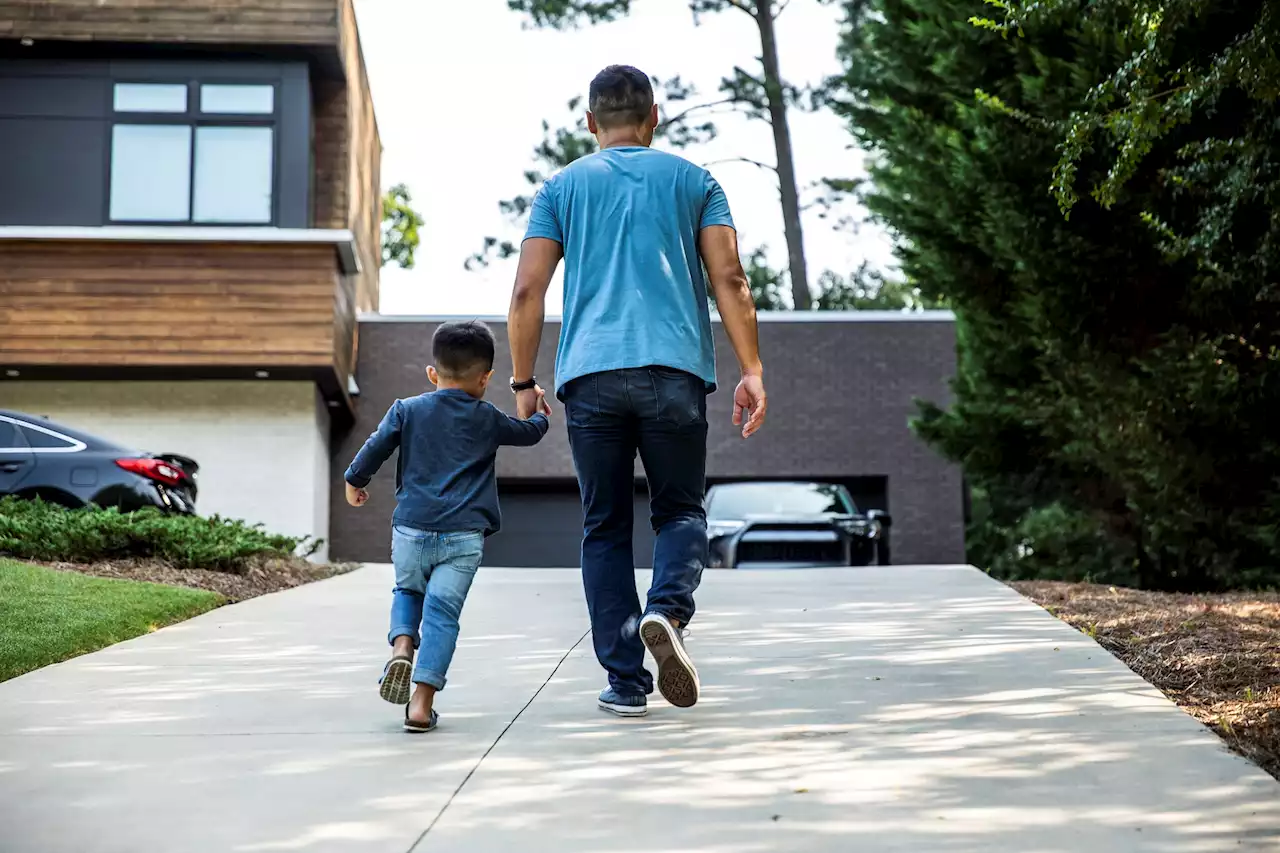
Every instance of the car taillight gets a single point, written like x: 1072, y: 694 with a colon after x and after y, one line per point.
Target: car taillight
x: 155, y: 469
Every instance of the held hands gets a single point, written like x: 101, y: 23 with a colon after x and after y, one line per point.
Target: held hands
x: 356, y: 497
x: 750, y: 397
x: 531, y: 401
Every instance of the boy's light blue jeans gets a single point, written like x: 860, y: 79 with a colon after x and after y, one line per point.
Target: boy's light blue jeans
x: 433, y: 575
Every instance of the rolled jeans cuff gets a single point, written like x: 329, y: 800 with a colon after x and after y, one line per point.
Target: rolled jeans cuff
x: 422, y: 675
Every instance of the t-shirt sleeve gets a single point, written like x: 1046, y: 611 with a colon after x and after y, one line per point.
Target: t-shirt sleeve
x: 715, y: 207
x: 543, y: 221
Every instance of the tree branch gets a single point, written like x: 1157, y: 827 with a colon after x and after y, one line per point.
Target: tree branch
x: 679, y: 117
x: 747, y: 160
x: 741, y: 4
x: 782, y: 8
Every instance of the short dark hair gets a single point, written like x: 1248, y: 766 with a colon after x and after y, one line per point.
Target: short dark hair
x: 462, y: 350
x: 620, y: 96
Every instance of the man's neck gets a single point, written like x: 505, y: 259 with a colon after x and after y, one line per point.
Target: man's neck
x: 622, y: 139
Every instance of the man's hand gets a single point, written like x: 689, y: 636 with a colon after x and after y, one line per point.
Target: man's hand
x: 530, y: 401
x: 356, y: 497
x: 749, y: 395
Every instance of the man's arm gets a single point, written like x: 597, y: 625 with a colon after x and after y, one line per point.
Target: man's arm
x: 718, y: 246
x: 539, y: 257
x: 377, y: 449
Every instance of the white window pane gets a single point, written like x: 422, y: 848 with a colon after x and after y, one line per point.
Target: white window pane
x: 243, y: 100
x: 150, y: 172
x: 233, y: 174
x: 151, y: 98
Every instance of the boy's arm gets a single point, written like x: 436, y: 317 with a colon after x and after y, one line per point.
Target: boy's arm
x: 513, y: 432
x: 377, y: 449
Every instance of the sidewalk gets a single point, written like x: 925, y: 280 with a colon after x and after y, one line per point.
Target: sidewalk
x: 882, y: 709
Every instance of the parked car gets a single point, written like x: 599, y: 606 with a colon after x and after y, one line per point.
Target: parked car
x: 801, y: 524
x: 64, y: 466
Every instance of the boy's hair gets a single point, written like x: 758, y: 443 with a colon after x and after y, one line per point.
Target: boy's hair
x: 462, y: 350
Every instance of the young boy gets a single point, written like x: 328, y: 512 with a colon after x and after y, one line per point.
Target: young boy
x: 446, y: 504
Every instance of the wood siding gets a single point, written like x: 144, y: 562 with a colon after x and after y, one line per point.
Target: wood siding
x: 170, y: 305
x: 222, y: 22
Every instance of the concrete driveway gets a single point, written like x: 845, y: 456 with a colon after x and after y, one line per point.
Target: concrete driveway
x: 879, y: 709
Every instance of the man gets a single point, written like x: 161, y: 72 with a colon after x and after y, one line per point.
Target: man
x: 635, y: 364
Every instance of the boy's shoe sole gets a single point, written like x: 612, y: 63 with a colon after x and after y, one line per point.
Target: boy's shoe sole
x: 396, y: 681
x: 677, y: 678
x: 623, y: 710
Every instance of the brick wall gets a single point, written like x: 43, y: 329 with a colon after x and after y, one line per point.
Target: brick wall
x: 840, y: 394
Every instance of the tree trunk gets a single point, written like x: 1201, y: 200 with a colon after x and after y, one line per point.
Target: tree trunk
x: 786, y: 165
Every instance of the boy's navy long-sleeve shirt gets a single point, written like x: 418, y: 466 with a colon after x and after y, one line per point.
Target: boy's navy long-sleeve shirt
x: 448, y: 442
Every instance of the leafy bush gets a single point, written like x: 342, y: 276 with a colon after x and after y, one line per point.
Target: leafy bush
x: 1047, y: 543
x: 34, y: 530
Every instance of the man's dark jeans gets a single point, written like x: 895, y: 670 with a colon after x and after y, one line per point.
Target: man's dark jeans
x: 662, y: 414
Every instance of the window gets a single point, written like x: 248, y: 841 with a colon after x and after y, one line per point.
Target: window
x: 233, y: 174
x: 150, y: 172
x: 201, y: 153
x: 245, y: 100
x: 47, y: 441
x: 9, y: 440
x: 150, y: 98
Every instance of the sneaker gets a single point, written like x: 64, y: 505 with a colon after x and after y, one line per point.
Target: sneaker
x: 677, y: 677
x: 624, y: 706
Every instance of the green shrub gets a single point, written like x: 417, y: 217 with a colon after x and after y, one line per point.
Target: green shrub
x: 34, y: 530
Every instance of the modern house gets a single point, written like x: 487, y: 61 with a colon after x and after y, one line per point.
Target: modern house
x: 189, y: 254
x: 189, y: 226
x: 842, y: 389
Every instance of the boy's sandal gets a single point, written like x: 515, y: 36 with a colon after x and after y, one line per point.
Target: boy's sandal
x: 396, y: 680
x: 418, y: 727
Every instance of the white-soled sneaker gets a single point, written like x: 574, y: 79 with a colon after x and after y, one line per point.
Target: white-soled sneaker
x: 624, y: 706
x: 677, y: 676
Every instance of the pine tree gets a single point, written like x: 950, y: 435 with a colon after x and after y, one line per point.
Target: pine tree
x: 1112, y: 404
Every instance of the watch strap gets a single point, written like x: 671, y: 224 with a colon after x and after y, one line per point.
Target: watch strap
x: 527, y: 385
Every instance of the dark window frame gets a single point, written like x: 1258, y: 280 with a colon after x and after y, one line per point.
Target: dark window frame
x: 195, y: 119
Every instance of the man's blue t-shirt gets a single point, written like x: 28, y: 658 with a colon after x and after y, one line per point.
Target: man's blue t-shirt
x: 634, y: 291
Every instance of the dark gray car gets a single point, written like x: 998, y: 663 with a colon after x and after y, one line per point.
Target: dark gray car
x: 793, y: 525
x: 62, y: 465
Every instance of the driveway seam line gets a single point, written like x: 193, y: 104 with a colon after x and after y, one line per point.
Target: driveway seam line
x: 496, y: 741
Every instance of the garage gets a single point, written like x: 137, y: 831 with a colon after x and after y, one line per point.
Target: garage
x: 542, y: 526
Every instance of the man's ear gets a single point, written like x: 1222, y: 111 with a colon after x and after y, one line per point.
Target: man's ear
x: 591, y: 123
x: 432, y: 376
x: 654, y: 118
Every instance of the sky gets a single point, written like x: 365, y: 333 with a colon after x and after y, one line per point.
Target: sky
x: 461, y: 90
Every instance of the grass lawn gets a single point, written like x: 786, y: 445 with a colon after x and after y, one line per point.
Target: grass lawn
x: 48, y: 616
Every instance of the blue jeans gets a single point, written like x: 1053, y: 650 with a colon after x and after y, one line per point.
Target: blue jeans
x: 433, y: 575
x: 661, y: 414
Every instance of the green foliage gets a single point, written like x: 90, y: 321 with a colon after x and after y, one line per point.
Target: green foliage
x: 34, y: 530
x: 400, y: 224
x: 870, y: 290
x: 1119, y: 370
x: 48, y: 616
x: 1187, y: 58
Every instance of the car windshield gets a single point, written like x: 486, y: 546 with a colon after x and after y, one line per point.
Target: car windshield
x: 746, y: 499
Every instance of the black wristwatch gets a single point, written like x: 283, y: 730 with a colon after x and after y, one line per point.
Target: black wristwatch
x: 527, y: 385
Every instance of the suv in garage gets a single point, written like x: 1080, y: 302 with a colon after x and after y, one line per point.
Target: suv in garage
x: 67, y: 467
x: 795, y: 524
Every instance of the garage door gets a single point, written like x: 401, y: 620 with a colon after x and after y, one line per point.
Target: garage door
x: 542, y: 527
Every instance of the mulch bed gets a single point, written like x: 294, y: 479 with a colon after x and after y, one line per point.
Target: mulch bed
x: 261, y: 577
x: 1216, y: 656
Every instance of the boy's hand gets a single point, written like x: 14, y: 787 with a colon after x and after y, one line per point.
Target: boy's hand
x: 530, y: 401
x: 356, y: 497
